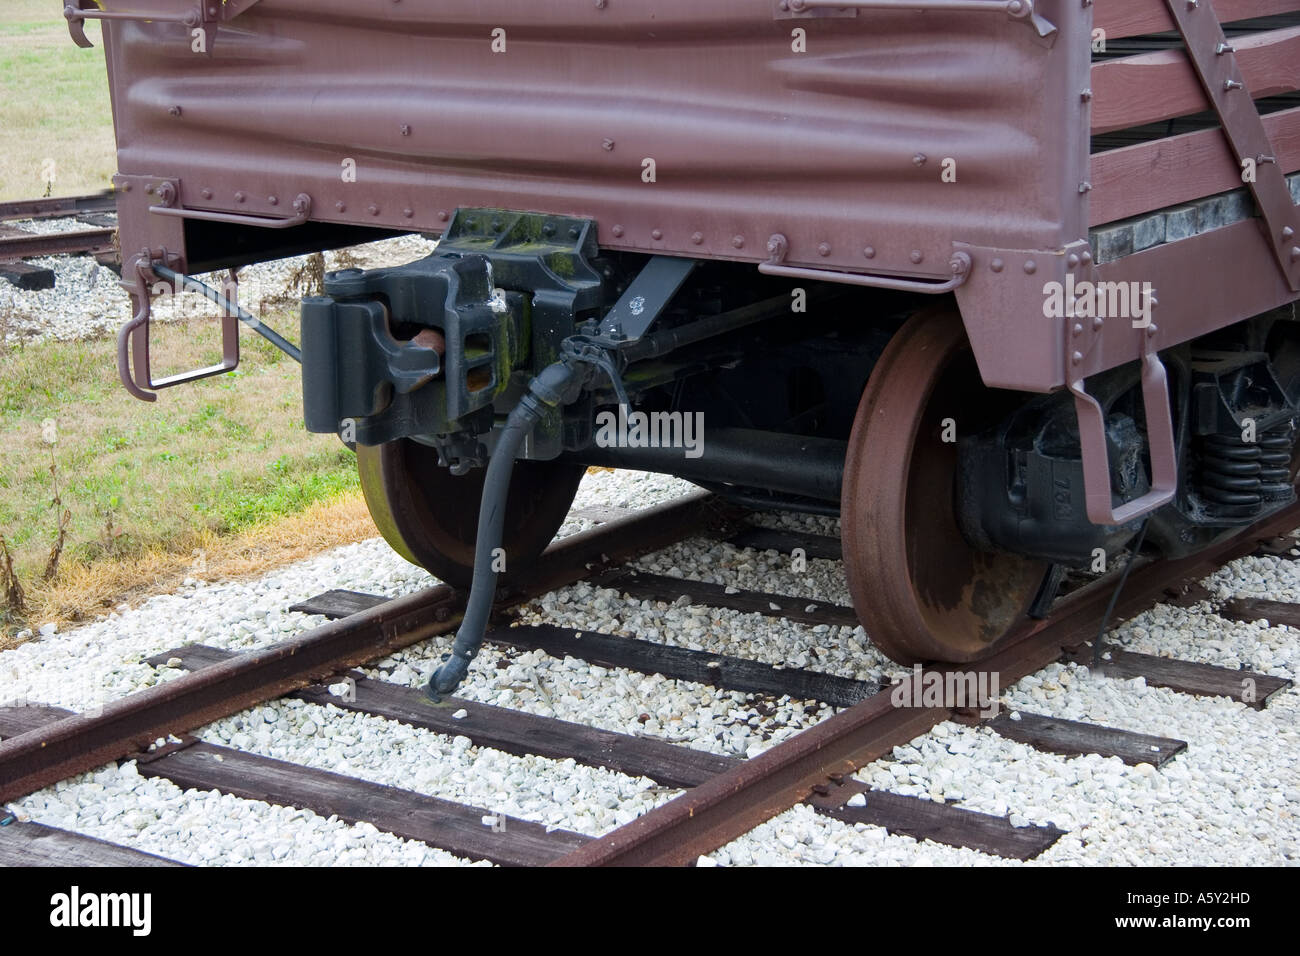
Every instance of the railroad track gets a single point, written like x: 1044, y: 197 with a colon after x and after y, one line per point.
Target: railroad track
x: 16, y: 245
x: 724, y: 796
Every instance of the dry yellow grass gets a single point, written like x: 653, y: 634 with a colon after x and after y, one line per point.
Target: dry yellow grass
x: 82, y: 591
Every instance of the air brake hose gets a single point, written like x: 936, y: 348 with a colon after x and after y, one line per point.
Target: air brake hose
x: 547, y: 390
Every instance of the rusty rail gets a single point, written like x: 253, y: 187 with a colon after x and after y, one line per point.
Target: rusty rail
x: 77, y: 744
x: 59, y: 207
x: 814, y: 764
x: 31, y: 245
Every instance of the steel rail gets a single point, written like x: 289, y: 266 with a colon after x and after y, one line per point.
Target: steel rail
x: 59, y: 207
x: 56, y: 244
x: 80, y: 743
x: 810, y: 766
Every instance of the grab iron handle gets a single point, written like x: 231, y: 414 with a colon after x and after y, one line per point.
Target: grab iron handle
x: 78, y: 13
x: 1160, y: 440
x: 1015, y: 9
x: 777, y: 246
x: 301, y: 208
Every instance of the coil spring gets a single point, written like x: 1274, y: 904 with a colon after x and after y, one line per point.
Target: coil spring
x: 1238, y: 477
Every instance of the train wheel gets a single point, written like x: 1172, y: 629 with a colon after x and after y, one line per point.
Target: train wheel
x: 921, y: 592
x: 430, y: 516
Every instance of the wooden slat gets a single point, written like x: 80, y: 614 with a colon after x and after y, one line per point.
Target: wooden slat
x: 1073, y: 738
x: 661, y: 587
x: 1127, y: 18
x: 1165, y: 172
x: 1136, y: 90
x: 682, y: 663
x: 1189, y: 677
x: 1257, y: 609
x: 449, y: 826
x: 943, y: 823
x: 819, y: 546
x: 35, y: 844
x: 339, y: 603
x: 510, y: 731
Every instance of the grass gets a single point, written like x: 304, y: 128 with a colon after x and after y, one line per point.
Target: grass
x: 215, y: 479
x: 156, y: 491
x: 56, y: 130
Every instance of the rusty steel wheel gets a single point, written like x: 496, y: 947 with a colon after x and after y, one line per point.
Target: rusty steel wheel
x: 430, y: 516
x: 921, y: 592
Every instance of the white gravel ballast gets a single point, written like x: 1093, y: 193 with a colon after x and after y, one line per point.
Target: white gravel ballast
x: 1232, y: 797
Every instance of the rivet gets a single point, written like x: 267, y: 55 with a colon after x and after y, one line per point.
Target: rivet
x: 373, y: 209
x: 1078, y: 328
x: 697, y: 237
x: 273, y: 200
x: 1295, y: 253
x: 600, y: 4
x: 548, y: 229
x: 1085, y: 257
x: 341, y: 206
x: 408, y: 213
x: 1072, y: 259
x: 1152, y: 329
x: 616, y: 231
x: 1030, y: 267
x: 1085, y: 95
x: 1287, y: 232
x: 442, y: 215
x: 574, y: 232
x: 1085, y: 188
x: 919, y: 159
x: 607, y: 145
x: 126, y: 187
x: 175, y: 111
x: 656, y: 234
x: 205, y: 193
x: 1076, y: 358
x: 1232, y: 85
x: 997, y: 265
x: 496, y: 225
x: 738, y: 241
x: 869, y: 252
x: 148, y: 190
x: 240, y: 197
x: 917, y: 256
x: 1097, y: 323
x: 824, y: 249
x: 406, y: 130
x: 471, y: 223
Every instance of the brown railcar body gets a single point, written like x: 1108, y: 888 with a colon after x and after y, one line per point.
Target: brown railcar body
x: 997, y: 152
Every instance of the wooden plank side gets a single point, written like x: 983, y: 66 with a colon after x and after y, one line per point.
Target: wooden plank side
x: 1166, y: 172
x: 1129, y: 18
x: 1151, y: 87
x: 35, y: 844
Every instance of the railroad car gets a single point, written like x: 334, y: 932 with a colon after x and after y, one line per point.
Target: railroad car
x: 1008, y: 285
